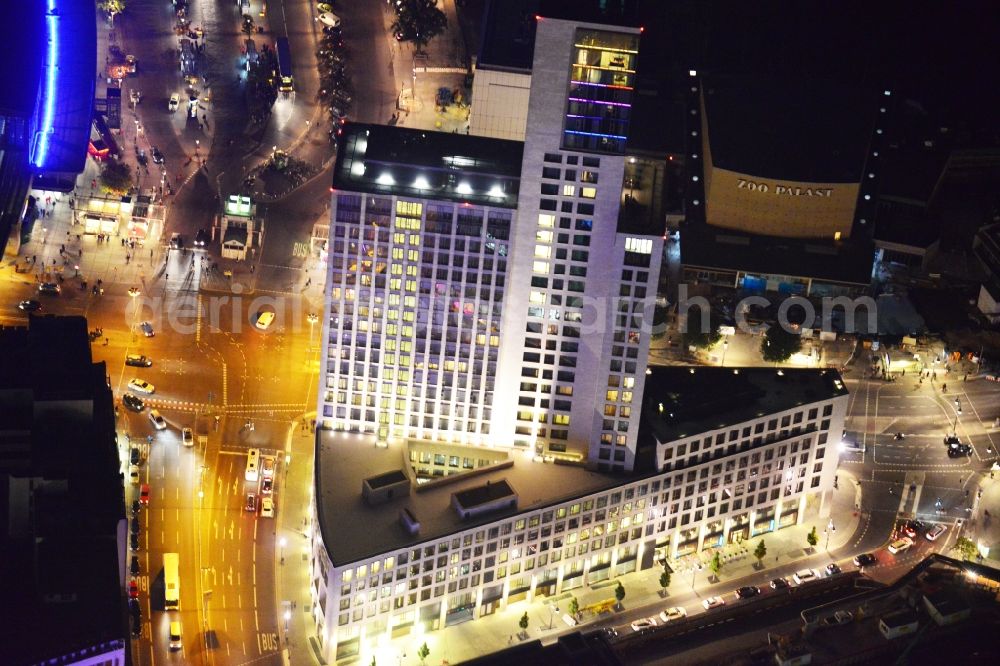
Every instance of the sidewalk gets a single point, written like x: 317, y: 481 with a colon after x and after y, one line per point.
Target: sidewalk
x: 292, y: 562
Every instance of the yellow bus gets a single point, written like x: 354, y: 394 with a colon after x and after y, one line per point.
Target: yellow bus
x: 253, y: 465
x: 171, y: 582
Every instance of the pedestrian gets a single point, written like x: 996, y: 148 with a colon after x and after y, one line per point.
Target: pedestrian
x: 150, y: 253
x: 34, y: 259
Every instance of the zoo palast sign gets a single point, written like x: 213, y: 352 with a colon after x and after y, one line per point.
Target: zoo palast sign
x: 785, y: 190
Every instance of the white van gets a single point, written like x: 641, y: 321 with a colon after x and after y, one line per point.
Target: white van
x: 175, y: 635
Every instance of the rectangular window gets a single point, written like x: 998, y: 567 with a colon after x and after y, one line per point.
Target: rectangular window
x: 588, y: 192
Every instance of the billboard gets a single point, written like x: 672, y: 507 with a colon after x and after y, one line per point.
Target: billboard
x: 771, y: 207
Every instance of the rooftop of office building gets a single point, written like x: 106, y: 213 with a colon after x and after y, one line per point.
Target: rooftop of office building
x: 391, y: 160
x: 816, y: 131
x: 60, y: 543
x: 680, y: 402
x: 354, y: 529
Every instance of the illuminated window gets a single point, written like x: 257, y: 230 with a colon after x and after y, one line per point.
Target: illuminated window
x: 588, y: 192
x: 543, y: 251
x: 546, y: 220
x: 409, y: 208
x: 569, y: 190
x: 560, y: 419
x: 537, y: 297
x: 639, y: 245
x: 611, y: 395
x: 541, y: 267
x: 543, y: 236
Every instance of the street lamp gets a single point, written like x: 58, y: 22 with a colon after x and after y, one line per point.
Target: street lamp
x: 694, y: 573
x: 553, y: 609
x: 133, y: 292
x: 725, y: 348
x: 830, y: 529
x: 312, y: 319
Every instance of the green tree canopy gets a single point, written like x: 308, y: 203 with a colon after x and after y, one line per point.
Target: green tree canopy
x: 422, y: 652
x: 665, y: 580
x: 116, y: 178
x: 760, y: 551
x: 700, y: 331
x: 574, y: 607
x: 620, y: 593
x: 966, y: 548
x: 716, y: 564
x: 779, y: 344
x: 812, y: 538
x: 523, y: 622
x: 112, y: 7
x: 418, y: 21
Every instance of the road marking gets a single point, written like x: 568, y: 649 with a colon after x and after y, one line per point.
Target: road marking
x: 197, y: 330
x: 225, y: 385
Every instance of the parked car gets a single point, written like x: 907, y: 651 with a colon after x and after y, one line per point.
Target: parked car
x: 936, y: 531
x: 29, y: 306
x: 138, y: 361
x: 865, y: 560
x: 133, y: 475
x: 157, y: 419
x: 673, y: 613
x: 267, y: 507
x: 176, y: 242
x: 133, y: 542
x: 251, y: 503
x: 133, y: 525
x: 803, y: 576
x: 267, y: 485
x: 49, y: 288
x: 133, y: 590
x: 838, y: 618
x: 135, y: 507
x: 644, y: 623
x: 141, y: 386
x: 174, y: 102
x: 135, y: 456
x: 133, y: 567
x: 832, y: 569
x: 144, y: 494
x: 899, y: 545
x: 780, y: 583
x: 747, y: 592
x: 157, y: 156
x: 147, y: 329
x: 133, y: 402
x: 913, y: 527
x: 267, y: 468
x: 713, y: 602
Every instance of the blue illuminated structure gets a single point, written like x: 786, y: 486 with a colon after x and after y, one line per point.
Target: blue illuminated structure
x: 40, y: 149
x: 65, y: 102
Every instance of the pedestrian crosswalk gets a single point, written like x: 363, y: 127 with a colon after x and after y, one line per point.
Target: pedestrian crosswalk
x: 240, y: 409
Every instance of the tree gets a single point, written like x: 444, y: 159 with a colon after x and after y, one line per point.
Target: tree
x: 620, y: 594
x: 248, y: 26
x: 812, y: 538
x: 418, y: 21
x: 116, y: 178
x: 422, y: 652
x: 760, y: 552
x: 373, y: 661
x: 779, y: 344
x: 696, y: 333
x: 112, y: 7
x: 716, y: 564
x: 574, y: 607
x: 966, y: 548
x: 664, y: 581
x: 523, y: 623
